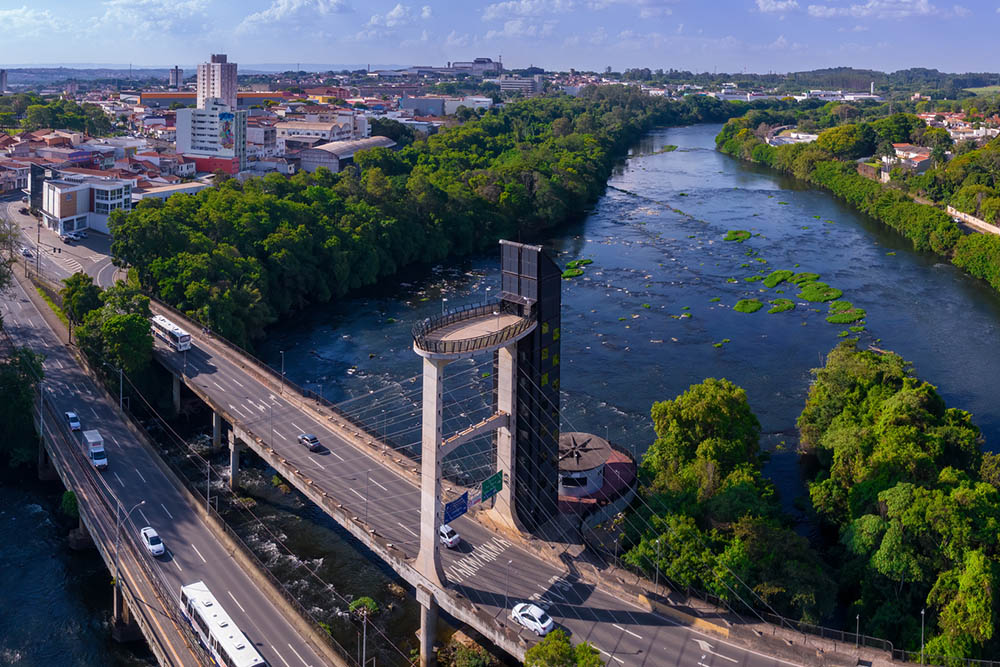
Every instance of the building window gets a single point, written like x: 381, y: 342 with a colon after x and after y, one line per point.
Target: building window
x: 555, y: 359
x: 555, y: 334
x: 545, y: 379
x: 545, y: 353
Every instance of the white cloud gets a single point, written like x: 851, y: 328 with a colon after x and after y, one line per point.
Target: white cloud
x: 647, y: 8
x: 399, y: 15
x: 513, y: 8
x: 880, y: 9
x: 520, y: 28
x: 291, y: 10
x: 150, y: 17
x: 768, y: 6
x: 455, y: 40
x: 426, y: 12
x: 959, y: 10
x: 29, y: 22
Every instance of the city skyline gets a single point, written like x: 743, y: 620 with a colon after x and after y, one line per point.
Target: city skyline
x: 729, y: 36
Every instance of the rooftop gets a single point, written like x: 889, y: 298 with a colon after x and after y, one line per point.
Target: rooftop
x: 472, y: 329
x: 582, y: 451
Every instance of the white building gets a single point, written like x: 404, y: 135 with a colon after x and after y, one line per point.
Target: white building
x: 343, y: 129
x: 217, y: 79
x: 176, y: 77
x: 76, y: 201
x: 214, y: 136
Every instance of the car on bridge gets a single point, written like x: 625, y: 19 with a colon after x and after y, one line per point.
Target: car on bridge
x: 448, y: 536
x: 152, y: 541
x: 533, y: 617
x: 73, y: 420
x: 26, y: 251
x: 310, y: 441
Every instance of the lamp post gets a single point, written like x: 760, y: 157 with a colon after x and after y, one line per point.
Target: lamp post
x: 921, y: 636
x: 656, y: 565
x: 118, y: 537
x: 857, y: 630
x: 506, y: 587
x: 282, y: 353
x: 367, y: 476
x: 487, y: 297
x: 443, y: 302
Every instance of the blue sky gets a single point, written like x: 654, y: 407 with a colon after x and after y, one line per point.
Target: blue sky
x: 724, y: 35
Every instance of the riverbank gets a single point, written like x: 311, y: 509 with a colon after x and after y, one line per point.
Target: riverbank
x: 927, y: 227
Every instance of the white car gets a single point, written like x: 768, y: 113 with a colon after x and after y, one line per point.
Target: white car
x: 152, y: 541
x: 73, y: 421
x: 448, y: 536
x: 533, y: 617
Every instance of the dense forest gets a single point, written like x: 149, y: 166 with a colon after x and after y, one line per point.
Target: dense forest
x: 908, y: 501
x: 27, y: 111
x: 828, y: 162
x: 240, y: 256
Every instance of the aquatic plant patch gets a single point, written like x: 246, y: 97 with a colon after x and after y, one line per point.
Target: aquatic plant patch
x: 748, y: 305
x: 738, y: 235
x: 781, y: 305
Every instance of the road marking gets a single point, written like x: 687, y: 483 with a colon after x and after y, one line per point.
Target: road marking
x: 114, y: 440
x: 280, y: 656
x: 173, y: 559
x: 166, y: 510
x: 336, y: 454
x: 119, y: 480
x: 237, y: 382
x: 58, y: 363
x: 144, y: 517
x: 199, y: 554
x: 261, y: 407
x: 375, y: 482
x: 280, y: 434
x: 628, y: 631
x: 298, y: 656
x: 707, y: 648
x: 237, y: 602
x: 358, y: 494
x: 218, y: 385
x: 236, y: 409
x: 406, y: 529
x: 320, y: 465
x: 97, y: 416
x: 140, y: 476
x: 297, y: 428
x: 611, y: 656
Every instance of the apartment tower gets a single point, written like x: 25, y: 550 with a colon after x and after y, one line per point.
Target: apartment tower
x: 217, y: 79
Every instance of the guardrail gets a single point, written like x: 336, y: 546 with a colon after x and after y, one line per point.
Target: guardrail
x: 422, y: 330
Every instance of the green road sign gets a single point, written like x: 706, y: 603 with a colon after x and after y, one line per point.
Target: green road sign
x: 492, y: 485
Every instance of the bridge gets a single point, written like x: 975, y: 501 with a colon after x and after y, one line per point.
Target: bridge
x: 390, y: 499
x: 137, y: 490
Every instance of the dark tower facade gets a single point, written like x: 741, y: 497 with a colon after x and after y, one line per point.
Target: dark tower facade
x: 532, y: 283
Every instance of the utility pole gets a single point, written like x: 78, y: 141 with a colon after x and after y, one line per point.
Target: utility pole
x: 208, y: 486
x: 38, y: 247
x: 506, y: 587
x: 857, y: 630
x: 921, y: 636
x: 120, y: 386
x: 282, y: 353
x: 367, y: 475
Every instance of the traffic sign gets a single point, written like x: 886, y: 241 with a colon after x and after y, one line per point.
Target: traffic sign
x: 492, y: 485
x: 475, y: 499
x: 456, y: 508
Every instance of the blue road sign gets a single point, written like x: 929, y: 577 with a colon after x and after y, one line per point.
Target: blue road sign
x: 456, y: 508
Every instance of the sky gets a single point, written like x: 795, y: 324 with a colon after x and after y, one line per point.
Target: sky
x: 697, y: 35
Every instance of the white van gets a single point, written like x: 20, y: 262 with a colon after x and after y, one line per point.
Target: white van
x: 95, y: 449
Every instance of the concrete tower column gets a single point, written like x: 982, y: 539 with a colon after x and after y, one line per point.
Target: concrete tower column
x: 235, y: 447
x: 428, y: 559
x: 216, y: 429
x: 503, y: 506
x: 428, y: 626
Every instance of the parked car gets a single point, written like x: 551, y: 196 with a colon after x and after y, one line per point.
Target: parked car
x: 65, y: 238
x: 26, y: 251
x: 73, y: 420
x: 309, y: 440
x: 81, y: 233
x: 448, y: 536
x: 533, y: 617
x: 152, y: 541
x: 22, y: 211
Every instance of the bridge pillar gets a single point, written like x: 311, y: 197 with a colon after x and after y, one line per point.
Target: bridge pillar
x: 46, y: 471
x: 216, y: 429
x: 503, y: 507
x: 428, y: 626
x: 177, y: 395
x: 123, y: 628
x: 235, y: 447
x: 429, y: 558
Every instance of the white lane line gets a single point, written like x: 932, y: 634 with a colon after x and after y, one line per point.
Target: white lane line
x: 236, y: 409
x: 322, y: 467
x: 628, y: 631
x: 237, y: 602
x: 298, y: 656
x: 375, y: 482
x: 119, y: 480
x: 96, y: 416
x: 280, y: 656
x: 611, y: 656
x: 281, y: 435
x: 58, y: 363
x: 297, y: 428
x: 166, y: 510
x: 114, y: 440
x: 199, y: 554
x: 237, y: 382
x: 406, y: 529
x: 357, y: 494
x: 173, y: 559
x: 140, y: 476
x: 336, y: 454
x: 144, y: 518
x: 261, y: 407
x: 218, y: 385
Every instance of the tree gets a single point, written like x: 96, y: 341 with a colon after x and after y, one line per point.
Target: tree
x: 555, y: 650
x: 20, y: 373
x: 848, y: 142
x: 80, y: 296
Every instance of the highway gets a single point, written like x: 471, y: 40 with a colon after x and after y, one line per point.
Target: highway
x: 193, y: 552
x: 491, y: 571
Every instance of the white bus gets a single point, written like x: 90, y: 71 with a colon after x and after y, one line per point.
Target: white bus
x: 172, y: 334
x: 228, y: 646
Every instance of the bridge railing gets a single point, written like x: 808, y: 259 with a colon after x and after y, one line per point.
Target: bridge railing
x: 421, y: 331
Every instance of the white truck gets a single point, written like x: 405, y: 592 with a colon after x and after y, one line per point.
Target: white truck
x: 95, y: 449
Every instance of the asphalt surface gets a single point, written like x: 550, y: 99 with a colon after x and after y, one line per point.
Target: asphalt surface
x: 193, y: 553
x: 488, y: 569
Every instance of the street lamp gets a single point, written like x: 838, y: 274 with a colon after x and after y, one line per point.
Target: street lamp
x: 656, y: 565
x: 857, y: 630
x: 367, y: 475
x: 282, y: 353
x: 487, y: 298
x: 506, y: 588
x: 118, y: 538
x: 921, y: 636
x: 443, y: 302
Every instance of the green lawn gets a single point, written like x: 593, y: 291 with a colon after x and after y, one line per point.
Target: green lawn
x: 984, y: 90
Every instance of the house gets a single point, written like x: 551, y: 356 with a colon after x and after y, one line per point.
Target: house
x: 337, y: 154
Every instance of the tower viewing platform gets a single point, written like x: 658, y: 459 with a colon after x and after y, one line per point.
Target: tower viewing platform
x: 472, y: 330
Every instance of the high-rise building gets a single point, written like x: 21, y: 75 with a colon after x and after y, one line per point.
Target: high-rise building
x: 176, y: 77
x: 217, y: 79
x: 3, y: 80
x: 214, y: 136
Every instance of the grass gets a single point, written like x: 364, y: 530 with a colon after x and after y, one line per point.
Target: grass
x: 738, y: 235
x: 781, y: 305
x: 777, y: 277
x: 646, y: 305
x: 715, y: 299
x: 801, y: 279
x: 817, y: 291
x: 753, y: 279
x: 844, y: 312
x: 572, y: 273
x: 984, y: 90
x: 857, y: 329
x: 669, y: 148
x: 783, y: 203
x: 748, y: 306
x: 716, y: 344
x: 52, y: 304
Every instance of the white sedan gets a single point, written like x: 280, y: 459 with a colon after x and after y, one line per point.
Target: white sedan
x: 448, y: 536
x: 152, y: 541
x: 73, y: 420
x: 533, y: 617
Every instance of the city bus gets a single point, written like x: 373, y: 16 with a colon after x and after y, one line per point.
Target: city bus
x: 172, y: 334
x: 228, y: 646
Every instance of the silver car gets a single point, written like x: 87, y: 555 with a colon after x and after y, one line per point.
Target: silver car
x: 533, y: 617
x: 152, y: 541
